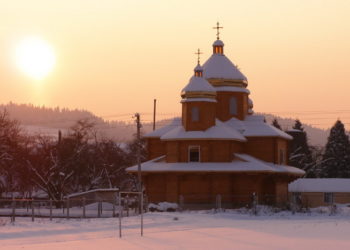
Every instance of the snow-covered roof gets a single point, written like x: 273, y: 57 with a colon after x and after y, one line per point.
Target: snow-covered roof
x: 320, y: 185
x: 219, y: 66
x: 92, y: 191
x: 198, y: 68
x: 294, y: 130
x: 163, y: 130
x: 218, y: 43
x: 231, y: 89
x: 198, y: 84
x: 232, y: 129
x: 242, y: 163
x: 250, y: 103
x: 219, y: 131
x: 254, y: 125
x: 198, y: 100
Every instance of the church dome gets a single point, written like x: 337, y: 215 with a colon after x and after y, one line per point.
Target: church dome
x: 218, y: 42
x: 220, y: 67
x: 198, y: 87
x: 198, y: 84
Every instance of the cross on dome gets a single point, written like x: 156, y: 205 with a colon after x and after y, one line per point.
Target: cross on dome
x: 218, y: 30
x: 198, y: 53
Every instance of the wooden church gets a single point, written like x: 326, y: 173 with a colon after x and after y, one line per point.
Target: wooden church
x: 218, y: 146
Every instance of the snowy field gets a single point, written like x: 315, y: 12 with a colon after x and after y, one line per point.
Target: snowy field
x: 187, y: 230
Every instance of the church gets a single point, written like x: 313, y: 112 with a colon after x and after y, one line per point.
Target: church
x: 218, y: 146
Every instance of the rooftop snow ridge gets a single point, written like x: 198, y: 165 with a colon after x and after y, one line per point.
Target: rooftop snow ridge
x: 220, y: 131
x: 198, y: 84
x: 219, y: 66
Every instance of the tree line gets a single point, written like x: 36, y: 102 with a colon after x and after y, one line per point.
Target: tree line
x: 331, y: 161
x: 77, y: 161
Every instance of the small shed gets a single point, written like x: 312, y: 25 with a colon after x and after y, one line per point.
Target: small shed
x: 315, y: 192
x: 94, y: 195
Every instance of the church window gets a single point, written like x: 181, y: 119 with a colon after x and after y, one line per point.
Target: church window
x: 233, y: 106
x: 195, y: 114
x: 218, y: 50
x: 193, y: 154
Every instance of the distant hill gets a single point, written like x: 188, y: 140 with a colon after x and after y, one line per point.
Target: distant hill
x: 48, y: 121
x: 316, y: 136
x: 44, y: 120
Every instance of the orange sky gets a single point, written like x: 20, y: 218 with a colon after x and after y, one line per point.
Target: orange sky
x: 114, y: 57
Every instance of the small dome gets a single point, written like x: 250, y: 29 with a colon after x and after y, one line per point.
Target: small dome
x: 250, y: 103
x: 218, y: 43
x: 198, y: 68
x: 198, y: 84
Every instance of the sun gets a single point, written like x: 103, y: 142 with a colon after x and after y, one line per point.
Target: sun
x: 35, y: 57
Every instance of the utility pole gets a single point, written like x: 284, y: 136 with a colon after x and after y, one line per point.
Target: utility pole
x: 138, y: 151
x: 154, y: 113
x: 138, y: 124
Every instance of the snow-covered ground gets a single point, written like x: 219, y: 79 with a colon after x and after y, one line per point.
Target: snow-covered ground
x: 187, y: 230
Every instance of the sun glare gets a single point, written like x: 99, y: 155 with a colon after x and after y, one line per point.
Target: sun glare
x: 35, y: 57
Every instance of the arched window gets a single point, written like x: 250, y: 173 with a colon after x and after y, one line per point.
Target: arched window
x: 195, y: 114
x: 233, y: 106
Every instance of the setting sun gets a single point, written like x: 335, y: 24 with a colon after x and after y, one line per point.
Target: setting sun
x: 35, y: 57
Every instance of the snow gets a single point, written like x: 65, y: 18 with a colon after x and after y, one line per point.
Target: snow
x: 198, y: 100
x: 250, y: 103
x: 163, y: 206
x: 219, y: 66
x: 218, y: 43
x: 233, y: 229
x: 106, y: 206
x: 219, y: 131
x: 198, y: 84
x: 320, y: 185
x: 294, y: 130
x: 254, y: 125
x: 242, y: 163
x: 163, y: 130
x: 94, y: 190
x: 198, y: 68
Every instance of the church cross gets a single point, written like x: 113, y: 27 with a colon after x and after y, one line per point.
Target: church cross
x: 198, y: 53
x: 218, y: 30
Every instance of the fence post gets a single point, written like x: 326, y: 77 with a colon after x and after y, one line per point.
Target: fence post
x: 146, y: 202
x: 13, y: 218
x: 67, y: 208
x: 120, y: 215
x: 141, y: 194
x: 99, y: 209
x: 218, y: 202
x: 84, y: 202
x: 33, y: 210
x: 332, y: 206
x: 50, y: 209
x: 127, y: 205
x: 113, y: 202
x: 181, y: 202
x: 254, y: 203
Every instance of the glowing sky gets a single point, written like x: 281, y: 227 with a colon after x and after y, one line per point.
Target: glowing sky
x: 115, y: 57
